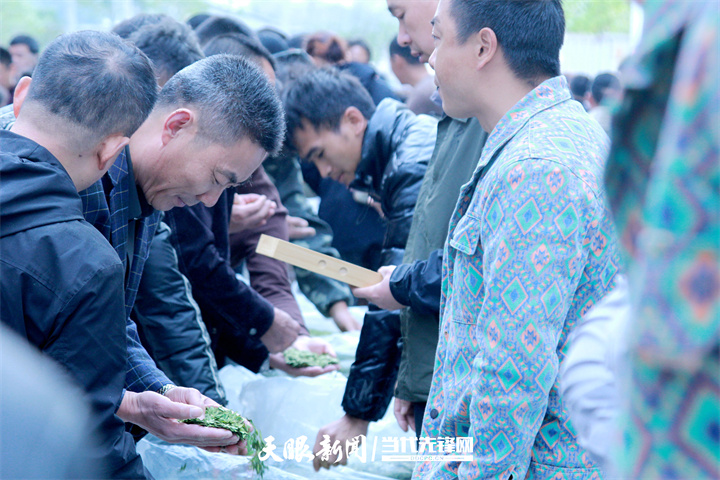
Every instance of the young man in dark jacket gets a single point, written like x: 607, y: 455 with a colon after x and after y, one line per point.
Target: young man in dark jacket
x: 384, y: 153
x: 61, y: 282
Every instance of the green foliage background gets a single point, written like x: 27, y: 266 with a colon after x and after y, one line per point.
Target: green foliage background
x: 45, y: 19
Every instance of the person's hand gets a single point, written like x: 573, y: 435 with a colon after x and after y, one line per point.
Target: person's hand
x: 364, y: 198
x: 159, y: 415
x: 250, y: 211
x: 312, y: 344
x: 192, y: 396
x: 298, y: 228
x: 342, y: 430
x: 282, y: 333
x: 340, y: 313
x: 380, y: 293
x: 404, y: 414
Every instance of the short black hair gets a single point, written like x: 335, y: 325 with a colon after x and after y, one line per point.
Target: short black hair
x: 197, y: 19
x: 5, y: 57
x: 95, y: 80
x: 404, y: 52
x: 292, y: 64
x: 297, y: 41
x: 169, y: 44
x: 359, y: 42
x: 216, y: 26
x: 234, y: 99
x: 273, y: 41
x: 31, y: 43
x: 321, y: 97
x: 602, y: 83
x: 234, y: 44
x: 129, y: 26
x: 580, y: 85
x: 530, y: 32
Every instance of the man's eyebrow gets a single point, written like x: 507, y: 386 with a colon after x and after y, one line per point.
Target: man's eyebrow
x: 310, y: 154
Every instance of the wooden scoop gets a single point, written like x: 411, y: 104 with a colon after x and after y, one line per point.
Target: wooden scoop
x: 317, y: 262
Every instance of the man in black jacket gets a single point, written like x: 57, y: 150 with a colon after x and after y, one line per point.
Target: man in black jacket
x: 383, y: 152
x: 61, y: 282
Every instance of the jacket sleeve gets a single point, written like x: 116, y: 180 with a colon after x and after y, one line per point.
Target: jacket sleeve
x: 268, y: 276
x: 215, y: 285
x: 170, y: 323
x: 142, y: 374
x: 418, y: 284
x: 399, y: 196
x: 370, y: 384
x: 96, y: 356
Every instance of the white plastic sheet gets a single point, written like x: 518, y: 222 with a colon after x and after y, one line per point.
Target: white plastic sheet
x: 288, y: 409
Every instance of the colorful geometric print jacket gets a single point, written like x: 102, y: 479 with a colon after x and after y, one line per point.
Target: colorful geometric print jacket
x: 663, y: 183
x: 530, y: 249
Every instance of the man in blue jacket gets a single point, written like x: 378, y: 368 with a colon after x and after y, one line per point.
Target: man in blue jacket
x: 212, y: 125
x: 61, y: 282
x: 530, y: 245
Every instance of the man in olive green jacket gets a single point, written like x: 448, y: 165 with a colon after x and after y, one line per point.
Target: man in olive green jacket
x: 457, y: 150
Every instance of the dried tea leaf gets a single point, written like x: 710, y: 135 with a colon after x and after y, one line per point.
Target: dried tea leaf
x: 220, y: 417
x: 303, y: 358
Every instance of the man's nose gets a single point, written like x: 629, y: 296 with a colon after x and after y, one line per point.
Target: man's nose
x: 210, y: 198
x: 403, y: 39
x: 324, y: 169
x: 431, y: 60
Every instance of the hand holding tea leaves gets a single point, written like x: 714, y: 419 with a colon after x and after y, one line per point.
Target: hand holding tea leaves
x: 220, y: 417
x: 317, y: 348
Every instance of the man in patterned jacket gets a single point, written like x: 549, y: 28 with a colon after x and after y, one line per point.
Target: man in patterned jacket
x: 663, y: 183
x: 530, y: 246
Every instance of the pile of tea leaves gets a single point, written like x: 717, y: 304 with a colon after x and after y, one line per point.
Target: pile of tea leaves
x: 303, y: 358
x: 220, y: 417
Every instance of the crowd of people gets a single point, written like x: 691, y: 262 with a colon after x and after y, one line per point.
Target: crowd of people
x: 549, y: 244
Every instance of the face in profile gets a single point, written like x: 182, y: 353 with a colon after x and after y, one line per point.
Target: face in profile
x: 414, y: 29
x: 453, y: 63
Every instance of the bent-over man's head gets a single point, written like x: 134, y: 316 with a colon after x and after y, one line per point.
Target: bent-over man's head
x: 327, y: 114
x: 214, y: 123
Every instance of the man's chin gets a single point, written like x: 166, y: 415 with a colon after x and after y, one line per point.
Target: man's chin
x: 346, y: 179
x: 165, y: 205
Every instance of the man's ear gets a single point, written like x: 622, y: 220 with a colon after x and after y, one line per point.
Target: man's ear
x: 175, y: 122
x: 486, y: 47
x: 109, y: 149
x: 21, y: 90
x: 355, y: 119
